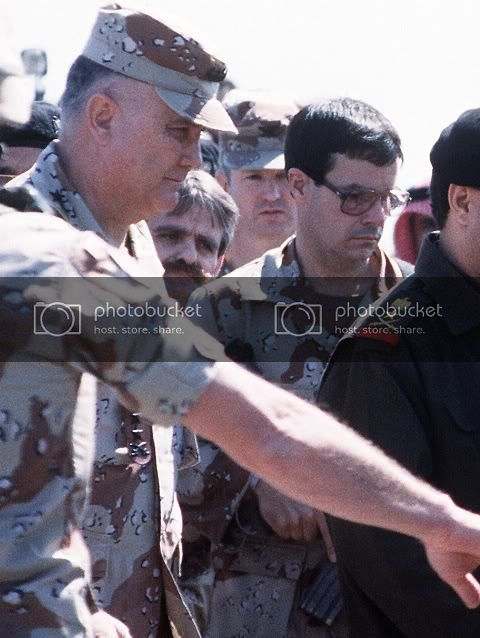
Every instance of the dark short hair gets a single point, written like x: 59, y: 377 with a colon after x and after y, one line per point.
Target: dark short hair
x: 82, y: 80
x: 455, y: 159
x: 342, y: 125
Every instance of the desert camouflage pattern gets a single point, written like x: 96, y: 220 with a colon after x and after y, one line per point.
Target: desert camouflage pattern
x: 183, y: 73
x: 47, y: 411
x: 209, y: 494
x: 133, y: 523
x: 255, y: 583
x: 262, y: 122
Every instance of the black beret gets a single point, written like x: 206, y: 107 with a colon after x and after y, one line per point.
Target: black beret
x: 456, y: 154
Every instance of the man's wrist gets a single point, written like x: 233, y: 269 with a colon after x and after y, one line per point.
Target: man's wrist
x: 441, y: 523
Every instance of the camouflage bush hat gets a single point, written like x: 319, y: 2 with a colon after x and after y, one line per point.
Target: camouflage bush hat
x: 184, y: 75
x: 262, y: 122
x: 16, y: 88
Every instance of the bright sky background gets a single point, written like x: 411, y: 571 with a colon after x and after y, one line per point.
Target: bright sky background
x: 418, y: 61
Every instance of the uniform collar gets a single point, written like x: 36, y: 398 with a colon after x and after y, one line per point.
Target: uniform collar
x: 453, y: 291
x: 278, y: 275
x: 48, y: 178
x: 268, y: 277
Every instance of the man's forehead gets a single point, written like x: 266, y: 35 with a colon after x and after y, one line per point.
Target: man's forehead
x: 196, y: 220
x: 361, y: 172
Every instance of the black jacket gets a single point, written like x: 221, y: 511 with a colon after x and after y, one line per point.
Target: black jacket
x: 410, y: 382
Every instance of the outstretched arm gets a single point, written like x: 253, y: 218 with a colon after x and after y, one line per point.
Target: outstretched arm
x: 311, y: 457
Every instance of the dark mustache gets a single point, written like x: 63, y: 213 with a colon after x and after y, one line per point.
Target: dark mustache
x: 367, y: 232
x: 190, y: 270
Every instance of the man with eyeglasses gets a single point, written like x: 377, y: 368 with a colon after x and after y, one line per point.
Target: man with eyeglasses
x: 282, y: 315
x: 408, y: 379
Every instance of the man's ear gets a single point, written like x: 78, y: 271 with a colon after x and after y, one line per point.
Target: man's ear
x: 297, y: 181
x: 101, y: 110
x: 459, y: 203
x: 222, y: 179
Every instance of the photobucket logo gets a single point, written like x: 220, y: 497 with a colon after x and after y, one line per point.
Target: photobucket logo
x: 146, y: 310
x: 389, y: 313
x: 298, y: 319
x: 57, y: 319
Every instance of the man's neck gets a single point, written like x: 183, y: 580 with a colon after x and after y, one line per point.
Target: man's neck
x: 335, y: 276
x: 459, y: 255
x: 85, y: 180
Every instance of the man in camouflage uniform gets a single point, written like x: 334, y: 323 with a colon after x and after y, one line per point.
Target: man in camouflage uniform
x: 251, y: 169
x: 48, y: 411
x: 282, y: 319
x: 130, y: 539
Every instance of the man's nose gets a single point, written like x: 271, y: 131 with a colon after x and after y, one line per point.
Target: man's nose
x: 377, y: 213
x: 188, y: 252
x: 272, y: 191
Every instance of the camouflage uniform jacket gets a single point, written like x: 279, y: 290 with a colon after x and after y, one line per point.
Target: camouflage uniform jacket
x: 264, y: 586
x: 131, y: 539
x: 47, y: 412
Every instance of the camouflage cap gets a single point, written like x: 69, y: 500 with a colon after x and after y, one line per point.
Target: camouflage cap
x: 262, y: 122
x: 16, y: 88
x: 184, y: 75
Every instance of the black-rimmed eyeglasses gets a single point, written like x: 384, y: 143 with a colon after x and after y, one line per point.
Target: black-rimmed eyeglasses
x: 356, y: 202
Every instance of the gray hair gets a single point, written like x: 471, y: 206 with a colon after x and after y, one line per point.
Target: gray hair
x: 84, y: 78
x: 200, y: 189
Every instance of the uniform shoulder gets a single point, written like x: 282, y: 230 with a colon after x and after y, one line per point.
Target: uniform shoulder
x: 45, y: 242
x: 246, y: 281
x: 267, y: 265
x: 397, y: 315
x: 243, y: 282
x: 52, y: 247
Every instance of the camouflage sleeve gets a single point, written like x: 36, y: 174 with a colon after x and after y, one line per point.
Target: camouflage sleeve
x: 159, y: 374
x: 211, y: 491
x: 207, y: 315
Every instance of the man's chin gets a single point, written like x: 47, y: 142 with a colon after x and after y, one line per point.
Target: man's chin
x: 181, y: 286
x: 275, y: 226
x: 364, y: 248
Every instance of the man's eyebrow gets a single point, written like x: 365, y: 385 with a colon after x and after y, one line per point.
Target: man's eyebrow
x: 172, y: 228
x: 355, y: 186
